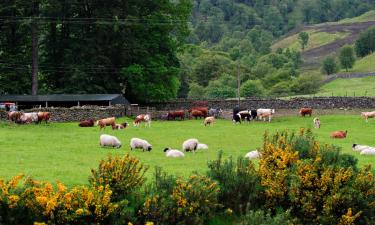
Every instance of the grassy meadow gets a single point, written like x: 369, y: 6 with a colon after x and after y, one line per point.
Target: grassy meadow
x: 66, y: 152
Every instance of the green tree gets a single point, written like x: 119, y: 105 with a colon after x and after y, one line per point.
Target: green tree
x: 329, y: 65
x: 196, y: 91
x: 347, y: 58
x: 303, y: 39
x: 252, y: 88
x: 306, y: 84
x: 365, y: 44
x: 224, y: 87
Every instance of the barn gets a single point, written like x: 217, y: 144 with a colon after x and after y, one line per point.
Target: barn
x: 64, y: 100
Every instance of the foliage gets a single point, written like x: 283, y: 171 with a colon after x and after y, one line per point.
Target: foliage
x: 196, y: 91
x: 252, y: 88
x: 93, y: 47
x: 122, y: 175
x: 238, y: 182
x: 365, y: 44
x: 224, y: 87
x: 346, y: 56
x: 315, y: 188
x: 306, y: 84
x: 38, y: 202
x: 303, y: 39
x: 261, y: 217
x: 329, y: 65
x: 193, y: 201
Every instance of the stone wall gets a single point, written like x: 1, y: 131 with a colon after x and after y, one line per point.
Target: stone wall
x: 293, y: 103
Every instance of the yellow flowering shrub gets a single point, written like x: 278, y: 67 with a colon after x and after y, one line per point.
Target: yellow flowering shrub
x: 191, y: 202
x: 316, y: 182
x: 122, y: 175
x: 62, y: 206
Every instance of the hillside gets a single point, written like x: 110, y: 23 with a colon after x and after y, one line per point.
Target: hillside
x: 326, y: 38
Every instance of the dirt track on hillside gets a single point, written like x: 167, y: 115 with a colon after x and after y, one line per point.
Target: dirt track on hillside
x: 313, y: 57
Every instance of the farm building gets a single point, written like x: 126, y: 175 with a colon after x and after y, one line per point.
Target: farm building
x: 64, y: 100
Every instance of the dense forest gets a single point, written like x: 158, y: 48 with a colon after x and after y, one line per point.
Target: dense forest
x: 161, y: 49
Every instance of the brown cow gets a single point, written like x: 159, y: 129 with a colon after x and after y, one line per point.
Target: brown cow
x: 106, y: 122
x: 197, y: 113
x: 43, y: 116
x: 176, y: 114
x: 339, y: 134
x: 204, y: 110
x: 87, y: 123
x: 305, y: 111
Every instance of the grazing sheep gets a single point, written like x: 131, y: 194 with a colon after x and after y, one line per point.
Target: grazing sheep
x: 253, y: 155
x: 173, y: 153
x: 360, y: 148
x: 339, y: 134
x: 209, y: 120
x: 368, y: 151
x: 190, y: 145
x: 139, y: 143
x: 109, y: 141
x: 202, y: 146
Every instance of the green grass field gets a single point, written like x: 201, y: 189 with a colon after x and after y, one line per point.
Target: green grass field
x: 365, y: 64
x: 65, y: 152
x: 355, y: 86
x: 316, y: 39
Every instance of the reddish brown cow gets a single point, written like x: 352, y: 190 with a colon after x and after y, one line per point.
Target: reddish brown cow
x: 305, y: 111
x: 176, y: 114
x: 87, y: 123
x: 197, y: 113
x: 204, y: 110
x: 43, y: 116
x: 339, y: 134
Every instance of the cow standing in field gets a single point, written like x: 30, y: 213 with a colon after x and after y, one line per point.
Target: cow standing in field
x: 305, y: 111
x: 106, y: 122
x: 87, y: 123
x: 146, y: 118
x: 14, y: 116
x: 367, y: 115
x: 203, y: 110
x: 265, y: 113
x: 176, y: 114
x: 43, y: 116
x: 28, y: 117
x: 196, y: 114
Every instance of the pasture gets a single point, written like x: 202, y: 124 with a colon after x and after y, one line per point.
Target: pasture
x: 66, y: 152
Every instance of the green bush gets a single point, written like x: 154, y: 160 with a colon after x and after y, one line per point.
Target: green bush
x: 239, y: 183
x: 365, y: 44
x: 191, y: 201
x: 252, y: 88
x: 265, y: 218
x: 307, y: 84
x: 329, y: 66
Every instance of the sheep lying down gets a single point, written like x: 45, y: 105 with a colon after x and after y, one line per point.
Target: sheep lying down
x: 140, y: 143
x: 364, y: 149
x: 173, y: 153
x: 109, y: 141
x: 253, y: 155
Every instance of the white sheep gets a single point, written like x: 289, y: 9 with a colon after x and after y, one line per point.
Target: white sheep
x: 202, y: 146
x: 369, y: 151
x: 360, y: 148
x: 173, y: 153
x: 110, y: 141
x: 253, y: 155
x: 190, y: 145
x: 140, y: 143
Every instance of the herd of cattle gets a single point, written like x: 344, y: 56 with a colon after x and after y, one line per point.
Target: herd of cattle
x: 209, y: 115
